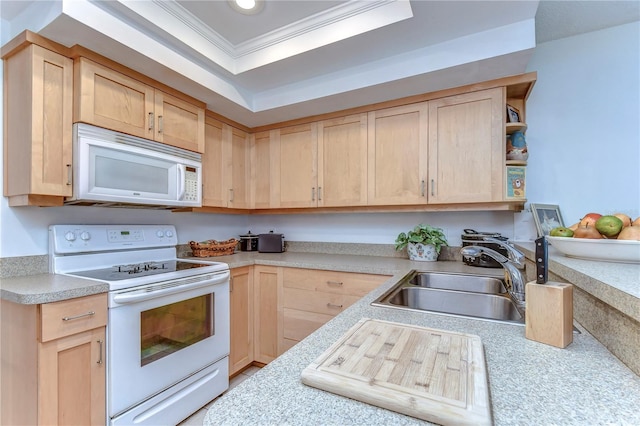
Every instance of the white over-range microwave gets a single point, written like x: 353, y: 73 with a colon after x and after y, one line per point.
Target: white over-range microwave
x: 112, y: 168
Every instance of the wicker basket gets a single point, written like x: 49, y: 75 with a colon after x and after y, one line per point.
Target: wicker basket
x: 213, y: 248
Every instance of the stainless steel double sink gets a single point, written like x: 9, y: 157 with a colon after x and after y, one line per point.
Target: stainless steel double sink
x: 463, y: 295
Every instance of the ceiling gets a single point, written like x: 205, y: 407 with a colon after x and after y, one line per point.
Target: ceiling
x: 306, y: 57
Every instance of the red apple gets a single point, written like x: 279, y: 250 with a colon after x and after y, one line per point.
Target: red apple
x: 590, y: 219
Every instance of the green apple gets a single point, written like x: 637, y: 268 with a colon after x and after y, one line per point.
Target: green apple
x: 609, y: 225
x: 561, y: 231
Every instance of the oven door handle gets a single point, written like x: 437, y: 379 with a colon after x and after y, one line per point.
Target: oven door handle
x: 169, y: 287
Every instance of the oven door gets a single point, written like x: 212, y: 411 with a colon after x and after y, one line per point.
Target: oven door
x: 161, y: 333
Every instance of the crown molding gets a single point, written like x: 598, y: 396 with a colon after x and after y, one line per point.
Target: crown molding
x: 346, y: 20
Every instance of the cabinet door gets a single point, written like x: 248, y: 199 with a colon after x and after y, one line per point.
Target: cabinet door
x: 214, y: 166
x: 241, y: 292
x: 296, y: 162
x: 267, y: 313
x: 397, y: 153
x: 178, y: 122
x: 71, y: 378
x: 38, y: 139
x: 240, y: 161
x: 263, y: 168
x: 112, y: 100
x: 342, y: 161
x: 466, y: 148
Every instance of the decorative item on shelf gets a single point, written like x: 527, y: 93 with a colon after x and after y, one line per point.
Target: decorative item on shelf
x: 517, y: 147
x: 513, y: 115
x: 516, y: 182
x: 423, y: 242
x: 212, y: 248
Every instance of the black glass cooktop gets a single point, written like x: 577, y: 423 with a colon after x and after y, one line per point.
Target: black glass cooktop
x: 130, y: 271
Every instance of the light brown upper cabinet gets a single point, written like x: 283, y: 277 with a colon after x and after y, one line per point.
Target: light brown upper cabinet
x: 226, y: 166
x: 397, y: 165
x: 113, y: 100
x: 342, y: 161
x: 38, y: 106
x: 294, y: 156
x: 263, y: 171
x: 239, y: 188
x: 466, y: 148
x: 214, y: 190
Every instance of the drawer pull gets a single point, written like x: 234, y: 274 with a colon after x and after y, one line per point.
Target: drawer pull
x: 331, y: 305
x: 88, y: 314
x: 335, y: 283
x: 100, y: 344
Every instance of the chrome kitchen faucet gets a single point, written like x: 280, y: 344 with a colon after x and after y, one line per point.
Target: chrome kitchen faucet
x: 512, y: 270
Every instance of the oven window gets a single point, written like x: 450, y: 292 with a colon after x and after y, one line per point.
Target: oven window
x: 169, y: 328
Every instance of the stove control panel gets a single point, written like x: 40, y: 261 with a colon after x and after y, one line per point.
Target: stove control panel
x: 96, y: 238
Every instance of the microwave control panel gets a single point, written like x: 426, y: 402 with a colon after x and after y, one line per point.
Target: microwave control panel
x: 191, y: 184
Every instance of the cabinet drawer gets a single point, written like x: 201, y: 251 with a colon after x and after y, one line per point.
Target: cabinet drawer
x: 300, y: 324
x: 72, y: 316
x: 317, y: 301
x: 349, y: 283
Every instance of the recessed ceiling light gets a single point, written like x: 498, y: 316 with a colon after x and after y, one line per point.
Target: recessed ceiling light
x: 247, y: 7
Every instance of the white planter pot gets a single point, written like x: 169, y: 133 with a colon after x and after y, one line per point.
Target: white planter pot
x: 422, y: 252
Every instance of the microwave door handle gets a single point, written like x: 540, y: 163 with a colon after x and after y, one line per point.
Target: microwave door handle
x: 181, y: 181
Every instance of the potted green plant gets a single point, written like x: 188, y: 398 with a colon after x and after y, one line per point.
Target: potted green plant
x: 423, y: 242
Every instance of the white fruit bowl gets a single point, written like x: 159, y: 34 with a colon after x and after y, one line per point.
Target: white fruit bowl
x: 603, y: 250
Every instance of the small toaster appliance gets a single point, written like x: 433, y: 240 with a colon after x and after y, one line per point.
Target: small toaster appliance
x: 270, y: 243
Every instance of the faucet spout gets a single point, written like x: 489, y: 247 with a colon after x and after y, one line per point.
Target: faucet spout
x: 513, y: 274
x: 515, y: 255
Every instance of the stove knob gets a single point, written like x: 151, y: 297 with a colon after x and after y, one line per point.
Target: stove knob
x: 70, y: 236
x: 159, y: 234
x: 85, y: 236
x: 169, y: 234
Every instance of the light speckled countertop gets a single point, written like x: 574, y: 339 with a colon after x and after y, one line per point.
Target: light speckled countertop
x: 530, y: 383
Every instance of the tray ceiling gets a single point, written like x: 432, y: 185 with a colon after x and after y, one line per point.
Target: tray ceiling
x: 295, y: 58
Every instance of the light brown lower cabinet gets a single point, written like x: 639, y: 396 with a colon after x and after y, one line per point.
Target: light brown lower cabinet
x: 310, y: 298
x: 241, y: 298
x: 53, y: 362
x: 267, y: 286
x: 273, y: 308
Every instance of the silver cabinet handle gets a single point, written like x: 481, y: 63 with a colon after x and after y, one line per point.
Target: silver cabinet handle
x: 100, y: 358
x: 231, y: 195
x: 433, y: 187
x: 422, y: 188
x: 231, y: 285
x: 331, y: 305
x: 150, y: 121
x: 160, y: 122
x: 335, y: 283
x: 88, y: 314
x: 319, y: 193
x: 313, y: 193
x: 69, y: 174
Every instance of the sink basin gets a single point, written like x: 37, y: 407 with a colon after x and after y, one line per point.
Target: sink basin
x: 462, y: 295
x: 487, y: 306
x: 459, y: 282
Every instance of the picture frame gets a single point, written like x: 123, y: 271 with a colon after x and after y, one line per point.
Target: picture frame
x: 546, y: 217
x: 513, y: 115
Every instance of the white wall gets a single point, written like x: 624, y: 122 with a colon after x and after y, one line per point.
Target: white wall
x: 583, y: 118
x: 584, y: 123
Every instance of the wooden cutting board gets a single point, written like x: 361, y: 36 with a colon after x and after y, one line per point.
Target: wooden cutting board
x: 434, y: 375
